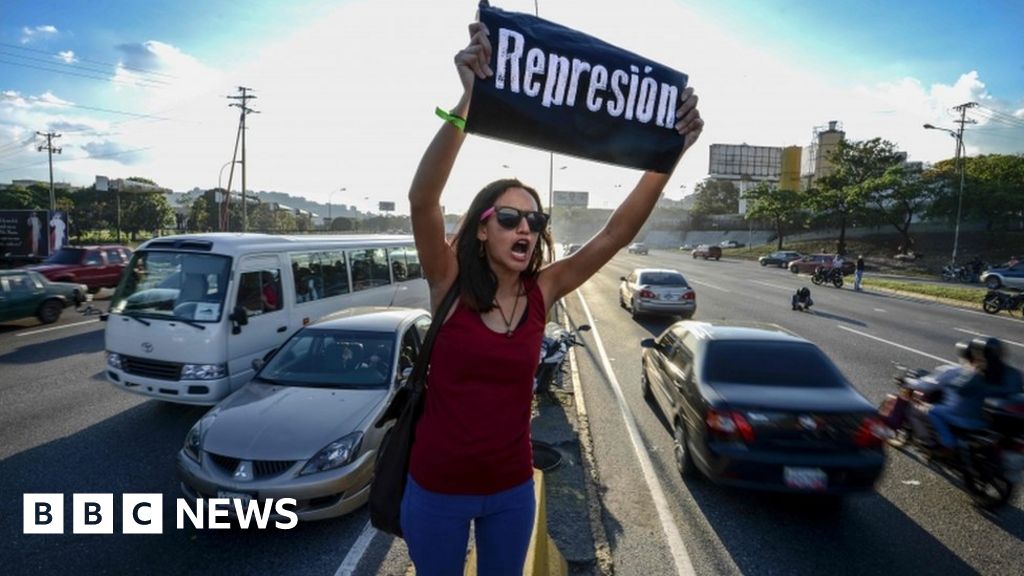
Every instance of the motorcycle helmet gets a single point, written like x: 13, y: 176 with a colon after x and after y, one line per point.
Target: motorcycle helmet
x: 805, y: 292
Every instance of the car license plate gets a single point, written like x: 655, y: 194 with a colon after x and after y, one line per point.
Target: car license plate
x: 805, y: 478
x: 243, y: 499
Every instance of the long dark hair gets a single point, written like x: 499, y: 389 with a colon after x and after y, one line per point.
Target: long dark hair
x: 477, y: 282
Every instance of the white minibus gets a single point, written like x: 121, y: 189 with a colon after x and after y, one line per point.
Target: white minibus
x: 192, y: 312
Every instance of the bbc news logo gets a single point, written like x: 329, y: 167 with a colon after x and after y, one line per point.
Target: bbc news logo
x: 143, y: 513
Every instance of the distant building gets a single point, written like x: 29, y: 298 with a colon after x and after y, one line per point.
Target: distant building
x: 816, y: 164
x: 745, y: 166
x: 25, y: 183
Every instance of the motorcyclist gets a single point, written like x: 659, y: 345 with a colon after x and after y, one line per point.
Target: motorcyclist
x: 837, y: 265
x: 802, y: 299
x: 964, y: 397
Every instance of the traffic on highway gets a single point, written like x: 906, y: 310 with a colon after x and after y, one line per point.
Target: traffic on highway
x: 782, y: 401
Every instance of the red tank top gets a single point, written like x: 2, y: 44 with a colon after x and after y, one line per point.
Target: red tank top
x: 474, y: 434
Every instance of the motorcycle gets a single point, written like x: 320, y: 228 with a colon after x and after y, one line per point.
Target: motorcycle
x: 824, y: 275
x: 990, y: 460
x: 996, y: 300
x: 554, y: 349
x: 955, y: 273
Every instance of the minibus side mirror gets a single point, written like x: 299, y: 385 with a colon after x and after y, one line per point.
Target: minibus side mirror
x: 239, y: 317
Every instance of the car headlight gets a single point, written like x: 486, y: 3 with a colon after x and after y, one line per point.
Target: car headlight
x: 114, y: 360
x: 336, y: 454
x: 203, y: 371
x: 193, y: 441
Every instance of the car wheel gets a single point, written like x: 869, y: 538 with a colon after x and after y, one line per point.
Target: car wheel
x: 684, y: 461
x: 50, y: 311
x: 763, y: 263
x: 622, y: 303
x: 717, y: 258
x: 632, y: 308
x: 993, y: 283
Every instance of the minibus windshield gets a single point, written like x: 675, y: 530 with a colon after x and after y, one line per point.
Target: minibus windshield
x: 173, y: 285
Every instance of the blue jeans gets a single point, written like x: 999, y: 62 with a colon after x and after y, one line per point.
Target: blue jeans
x: 436, y: 528
x: 941, y: 417
x: 857, y: 277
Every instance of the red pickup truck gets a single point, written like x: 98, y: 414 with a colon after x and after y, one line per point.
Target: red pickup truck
x: 95, y: 266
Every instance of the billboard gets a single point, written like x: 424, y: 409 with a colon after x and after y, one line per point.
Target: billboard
x: 742, y: 161
x: 386, y: 206
x: 571, y: 199
x: 31, y: 233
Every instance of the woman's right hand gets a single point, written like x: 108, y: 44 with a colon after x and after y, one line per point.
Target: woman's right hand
x: 473, y: 61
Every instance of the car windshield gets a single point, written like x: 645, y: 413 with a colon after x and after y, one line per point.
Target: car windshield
x: 182, y: 285
x: 760, y: 363
x: 65, y: 256
x: 662, y: 279
x: 323, y: 358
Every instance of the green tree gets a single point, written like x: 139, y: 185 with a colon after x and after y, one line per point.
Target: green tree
x: 769, y: 202
x: 898, y: 195
x: 716, y: 197
x: 145, y: 211
x: 843, y: 195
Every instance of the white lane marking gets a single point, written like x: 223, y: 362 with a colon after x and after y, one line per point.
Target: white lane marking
x: 901, y: 346
x: 355, y: 554
x: 973, y: 333
x: 41, y: 330
x: 882, y: 310
x: 675, y: 542
x: 770, y: 285
x: 711, y: 285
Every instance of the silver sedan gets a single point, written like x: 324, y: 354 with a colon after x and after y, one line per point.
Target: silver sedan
x: 657, y: 291
x: 304, y: 427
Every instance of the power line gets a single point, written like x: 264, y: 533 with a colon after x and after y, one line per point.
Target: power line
x: 57, y: 71
x: 48, y: 53
x: 89, y: 157
x: 72, y: 66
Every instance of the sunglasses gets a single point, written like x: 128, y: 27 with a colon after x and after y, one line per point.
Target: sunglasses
x: 509, y: 217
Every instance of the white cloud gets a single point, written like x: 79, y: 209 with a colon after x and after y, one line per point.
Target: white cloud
x: 67, y: 56
x: 30, y: 33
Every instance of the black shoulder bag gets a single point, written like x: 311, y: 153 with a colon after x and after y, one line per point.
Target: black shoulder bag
x: 392, y: 468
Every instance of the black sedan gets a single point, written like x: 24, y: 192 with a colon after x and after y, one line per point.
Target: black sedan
x: 781, y: 258
x: 761, y: 409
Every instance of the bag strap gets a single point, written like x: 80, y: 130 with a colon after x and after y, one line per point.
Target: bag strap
x: 419, y: 371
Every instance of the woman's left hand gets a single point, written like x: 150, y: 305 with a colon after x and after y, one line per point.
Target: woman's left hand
x: 690, y: 124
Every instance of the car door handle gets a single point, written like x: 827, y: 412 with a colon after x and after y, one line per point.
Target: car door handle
x: 282, y: 328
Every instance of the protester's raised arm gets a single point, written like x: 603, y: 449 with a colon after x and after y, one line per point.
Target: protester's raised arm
x: 436, y: 257
x: 567, y: 274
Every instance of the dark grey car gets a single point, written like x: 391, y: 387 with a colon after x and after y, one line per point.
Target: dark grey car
x: 761, y: 409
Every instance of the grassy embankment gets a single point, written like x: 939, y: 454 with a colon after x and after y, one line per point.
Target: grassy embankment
x: 878, y: 253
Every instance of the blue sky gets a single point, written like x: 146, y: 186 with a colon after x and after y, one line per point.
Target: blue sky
x: 346, y: 89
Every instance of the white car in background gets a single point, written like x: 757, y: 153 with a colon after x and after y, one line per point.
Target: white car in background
x: 657, y: 291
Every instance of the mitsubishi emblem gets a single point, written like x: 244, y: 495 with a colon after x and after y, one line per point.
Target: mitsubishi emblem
x: 242, y: 472
x: 147, y: 347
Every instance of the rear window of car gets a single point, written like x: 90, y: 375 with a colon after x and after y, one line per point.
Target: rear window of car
x: 760, y: 363
x: 662, y: 279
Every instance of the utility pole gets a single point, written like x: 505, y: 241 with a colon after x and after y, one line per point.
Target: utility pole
x: 245, y: 97
x: 50, y: 150
x: 961, y: 159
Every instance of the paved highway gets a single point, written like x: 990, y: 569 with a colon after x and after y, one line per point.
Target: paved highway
x: 916, y: 523
x: 63, y: 429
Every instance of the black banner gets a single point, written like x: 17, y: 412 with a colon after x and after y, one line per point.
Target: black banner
x: 24, y: 233
x: 561, y: 90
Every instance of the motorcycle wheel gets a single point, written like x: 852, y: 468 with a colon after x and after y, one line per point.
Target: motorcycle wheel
x: 817, y: 280
x: 988, y: 490
x: 992, y: 304
x: 837, y: 281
